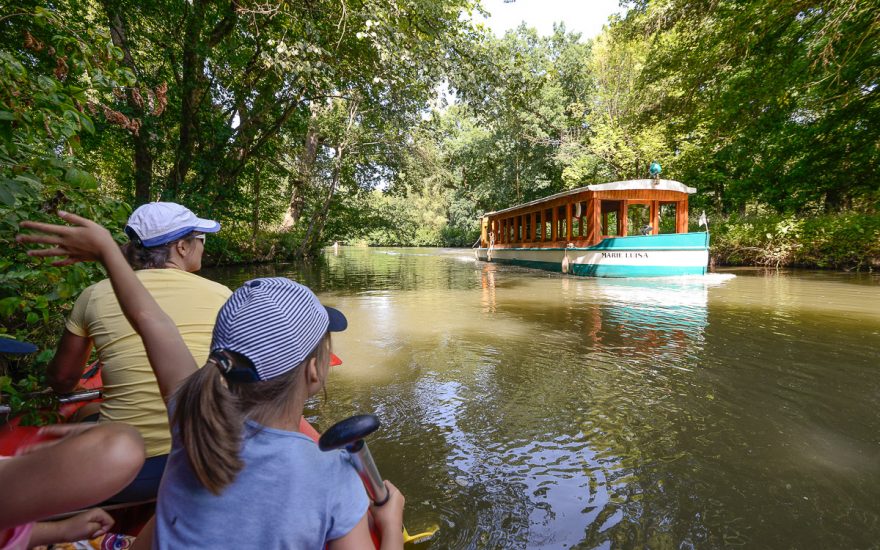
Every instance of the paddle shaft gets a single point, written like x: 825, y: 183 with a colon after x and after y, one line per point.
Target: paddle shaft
x: 349, y: 434
x: 365, y: 466
x: 75, y: 397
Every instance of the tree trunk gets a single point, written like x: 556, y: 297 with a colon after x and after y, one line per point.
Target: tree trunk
x: 192, y: 78
x: 319, y: 220
x: 255, y: 213
x: 143, y: 158
x: 143, y: 170
x: 305, y: 168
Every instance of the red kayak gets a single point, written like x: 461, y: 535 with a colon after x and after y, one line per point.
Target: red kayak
x: 14, y: 436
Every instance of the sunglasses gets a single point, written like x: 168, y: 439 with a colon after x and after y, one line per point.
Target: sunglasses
x: 202, y: 237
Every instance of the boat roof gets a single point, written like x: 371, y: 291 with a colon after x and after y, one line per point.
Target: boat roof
x: 626, y: 185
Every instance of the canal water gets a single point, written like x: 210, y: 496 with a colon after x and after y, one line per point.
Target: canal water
x: 523, y: 409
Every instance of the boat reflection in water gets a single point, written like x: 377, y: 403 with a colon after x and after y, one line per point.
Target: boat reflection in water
x: 607, y: 359
x: 651, y: 315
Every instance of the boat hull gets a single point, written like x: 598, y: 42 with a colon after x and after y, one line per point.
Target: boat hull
x: 637, y: 256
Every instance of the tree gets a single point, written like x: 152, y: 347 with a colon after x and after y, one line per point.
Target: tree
x: 773, y: 102
x: 57, y: 83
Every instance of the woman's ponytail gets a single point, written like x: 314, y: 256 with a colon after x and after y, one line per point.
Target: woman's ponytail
x: 209, y: 423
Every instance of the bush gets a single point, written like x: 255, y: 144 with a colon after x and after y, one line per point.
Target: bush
x: 51, y: 87
x: 848, y: 241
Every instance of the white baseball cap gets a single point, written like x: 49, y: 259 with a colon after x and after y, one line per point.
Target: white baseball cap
x: 157, y: 223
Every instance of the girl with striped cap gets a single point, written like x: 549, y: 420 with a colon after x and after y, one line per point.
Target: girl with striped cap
x: 240, y: 475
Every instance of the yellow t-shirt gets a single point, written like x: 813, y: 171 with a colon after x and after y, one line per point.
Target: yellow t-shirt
x: 131, y: 394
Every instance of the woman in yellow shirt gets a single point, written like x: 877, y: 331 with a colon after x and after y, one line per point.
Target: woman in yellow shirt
x: 165, y: 248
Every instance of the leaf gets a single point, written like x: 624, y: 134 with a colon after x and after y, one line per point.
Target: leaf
x: 29, y: 179
x: 6, y: 197
x: 47, y: 84
x: 6, y: 115
x: 9, y: 305
x: 87, y: 123
x: 80, y: 178
x: 72, y: 118
x: 128, y: 75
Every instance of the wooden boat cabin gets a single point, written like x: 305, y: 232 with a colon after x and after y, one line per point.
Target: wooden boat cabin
x: 585, y: 216
x: 635, y: 228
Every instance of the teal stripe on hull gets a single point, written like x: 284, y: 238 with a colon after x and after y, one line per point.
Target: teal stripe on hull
x: 597, y: 270
x: 648, y: 243
x: 671, y: 241
x: 546, y: 266
x: 668, y: 241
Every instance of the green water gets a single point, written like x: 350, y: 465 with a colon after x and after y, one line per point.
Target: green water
x: 523, y: 409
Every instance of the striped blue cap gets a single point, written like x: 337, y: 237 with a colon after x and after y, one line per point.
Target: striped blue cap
x: 275, y: 323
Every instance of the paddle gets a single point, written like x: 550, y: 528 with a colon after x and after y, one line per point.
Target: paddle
x: 349, y: 434
x: 75, y: 397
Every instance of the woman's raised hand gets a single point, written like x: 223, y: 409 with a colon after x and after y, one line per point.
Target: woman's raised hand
x: 83, y: 240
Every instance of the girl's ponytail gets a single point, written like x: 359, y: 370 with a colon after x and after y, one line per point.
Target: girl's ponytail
x: 209, y: 423
x: 210, y: 411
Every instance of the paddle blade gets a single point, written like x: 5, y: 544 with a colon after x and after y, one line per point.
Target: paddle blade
x: 420, y: 537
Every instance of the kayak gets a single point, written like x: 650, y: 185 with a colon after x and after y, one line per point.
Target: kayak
x: 14, y: 436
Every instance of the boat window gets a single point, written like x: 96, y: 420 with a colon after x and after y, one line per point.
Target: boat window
x: 638, y: 219
x: 562, y: 224
x: 610, y: 223
x: 538, y: 227
x: 548, y: 224
x: 667, y: 217
x: 582, y: 220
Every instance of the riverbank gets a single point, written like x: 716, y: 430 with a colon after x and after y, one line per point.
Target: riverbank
x: 35, y: 297
x: 847, y: 241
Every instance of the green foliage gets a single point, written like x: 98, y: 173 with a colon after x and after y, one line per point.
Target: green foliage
x: 25, y: 396
x: 403, y: 221
x: 525, y: 97
x: 774, y: 102
x: 839, y: 241
x: 49, y: 74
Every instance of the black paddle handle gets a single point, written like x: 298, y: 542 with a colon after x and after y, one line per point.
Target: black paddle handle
x: 349, y: 434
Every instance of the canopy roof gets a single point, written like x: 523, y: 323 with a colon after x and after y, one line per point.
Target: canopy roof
x: 626, y: 185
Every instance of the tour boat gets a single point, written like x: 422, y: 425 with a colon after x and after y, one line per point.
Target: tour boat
x: 633, y: 228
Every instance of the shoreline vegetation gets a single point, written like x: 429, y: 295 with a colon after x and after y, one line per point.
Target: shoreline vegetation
x: 399, y: 123
x: 845, y: 241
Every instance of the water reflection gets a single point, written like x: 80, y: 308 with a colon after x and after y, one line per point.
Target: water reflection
x: 530, y: 410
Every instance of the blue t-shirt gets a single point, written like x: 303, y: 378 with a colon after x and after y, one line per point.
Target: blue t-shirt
x: 289, y: 494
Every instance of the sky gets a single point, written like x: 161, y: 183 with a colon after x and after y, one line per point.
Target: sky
x: 584, y: 16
